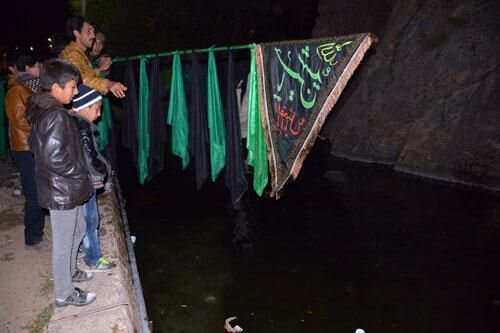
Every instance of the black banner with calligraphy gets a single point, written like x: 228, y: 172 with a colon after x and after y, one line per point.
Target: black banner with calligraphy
x: 300, y: 82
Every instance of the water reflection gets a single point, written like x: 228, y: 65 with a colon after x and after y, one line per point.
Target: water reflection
x: 355, y: 247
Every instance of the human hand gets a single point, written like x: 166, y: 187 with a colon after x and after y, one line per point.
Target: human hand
x: 117, y: 89
x: 108, y: 187
x: 13, y: 70
x: 105, y: 62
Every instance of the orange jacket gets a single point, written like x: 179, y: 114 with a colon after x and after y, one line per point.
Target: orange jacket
x: 11, y: 80
x: 15, y: 107
x: 90, y: 77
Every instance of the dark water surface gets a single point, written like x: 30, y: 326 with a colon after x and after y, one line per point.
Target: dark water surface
x: 359, y: 247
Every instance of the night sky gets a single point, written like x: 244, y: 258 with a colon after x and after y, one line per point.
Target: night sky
x: 29, y: 23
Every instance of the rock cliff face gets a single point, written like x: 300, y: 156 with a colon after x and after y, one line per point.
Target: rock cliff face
x: 426, y: 99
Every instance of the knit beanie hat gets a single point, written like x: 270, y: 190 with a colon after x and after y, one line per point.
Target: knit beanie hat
x: 86, y: 97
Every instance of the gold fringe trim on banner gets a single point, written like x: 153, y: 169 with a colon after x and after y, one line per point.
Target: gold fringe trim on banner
x: 330, y: 102
x: 264, y: 118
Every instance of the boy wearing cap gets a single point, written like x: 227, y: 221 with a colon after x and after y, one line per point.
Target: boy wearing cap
x: 86, y: 109
x: 62, y: 179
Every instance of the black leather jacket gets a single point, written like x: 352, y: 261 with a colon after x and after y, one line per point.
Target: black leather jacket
x: 62, y: 179
x: 97, y: 165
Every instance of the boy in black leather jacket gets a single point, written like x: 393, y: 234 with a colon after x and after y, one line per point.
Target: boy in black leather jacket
x: 62, y: 179
x: 86, y: 109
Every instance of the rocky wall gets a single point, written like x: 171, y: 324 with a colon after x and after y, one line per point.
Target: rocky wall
x: 425, y: 99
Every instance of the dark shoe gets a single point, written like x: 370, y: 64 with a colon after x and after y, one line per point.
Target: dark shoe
x: 81, y: 276
x: 102, y: 265
x: 41, y: 246
x: 77, y: 298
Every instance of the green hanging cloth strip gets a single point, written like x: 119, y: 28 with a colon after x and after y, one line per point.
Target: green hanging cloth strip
x: 143, y: 123
x: 216, y: 128
x: 256, y: 140
x: 3, y: 134
x: 178, y: 113
x: 104, y: 124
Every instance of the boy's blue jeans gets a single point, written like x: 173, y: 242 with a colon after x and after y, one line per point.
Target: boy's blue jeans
x: 90, y: 243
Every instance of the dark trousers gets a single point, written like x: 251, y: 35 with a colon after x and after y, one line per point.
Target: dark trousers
x: 34, y: 219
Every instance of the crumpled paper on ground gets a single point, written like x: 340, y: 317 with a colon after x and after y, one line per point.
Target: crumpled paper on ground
x: 231, y: 329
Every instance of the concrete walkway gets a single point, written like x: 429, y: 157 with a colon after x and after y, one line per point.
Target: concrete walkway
x: 25, y: 286
x: 25, y: 275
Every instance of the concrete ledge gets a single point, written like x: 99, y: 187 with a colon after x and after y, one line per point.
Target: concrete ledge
x: 116, y: 308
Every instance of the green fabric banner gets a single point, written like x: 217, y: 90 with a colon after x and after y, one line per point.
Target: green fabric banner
x: 178, y: 113
x: 256, y: 140
x: 216, y: 128
x: 143, y: 124
x: 3, y: 134
x: 300, y: 82
x: 104, y: 123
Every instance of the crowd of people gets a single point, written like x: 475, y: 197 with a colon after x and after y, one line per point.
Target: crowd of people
x: 51, y: 108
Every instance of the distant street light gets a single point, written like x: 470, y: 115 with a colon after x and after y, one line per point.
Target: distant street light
x: 31, y: 48
x: 49, y: 39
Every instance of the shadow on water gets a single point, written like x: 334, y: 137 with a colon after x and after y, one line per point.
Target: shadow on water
x: 359, y: 246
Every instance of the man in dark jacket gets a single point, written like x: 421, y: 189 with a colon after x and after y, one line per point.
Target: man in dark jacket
x: 63, y: 182
x: 26, y: 84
